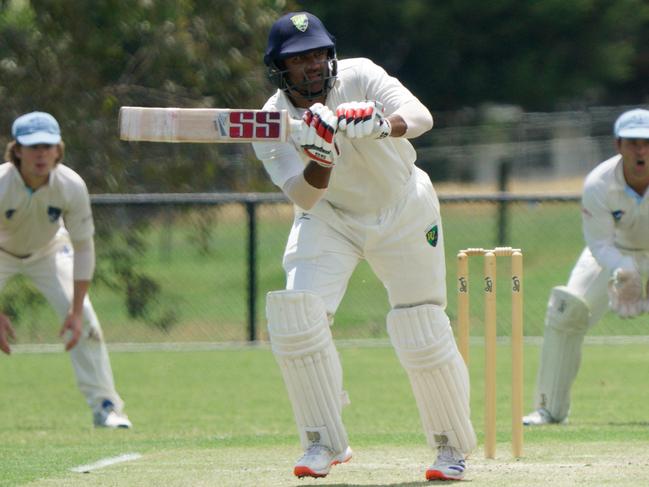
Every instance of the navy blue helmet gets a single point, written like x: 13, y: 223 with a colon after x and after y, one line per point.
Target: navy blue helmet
x: 297, y: 33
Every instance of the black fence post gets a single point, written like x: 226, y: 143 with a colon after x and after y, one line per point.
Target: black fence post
x: 504, y: 171
x: 251, y: 207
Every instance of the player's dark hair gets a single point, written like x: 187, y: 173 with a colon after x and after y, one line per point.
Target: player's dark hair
x: 12, y: 156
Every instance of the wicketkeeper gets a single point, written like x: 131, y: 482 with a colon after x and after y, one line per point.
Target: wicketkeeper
x: 611, y: 272
x: 38, y: 195
x: 358, y: 195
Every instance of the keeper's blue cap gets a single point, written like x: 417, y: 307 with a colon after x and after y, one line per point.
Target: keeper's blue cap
x: 295, y: 33
x: 633, y: 124
x: 36, y: 128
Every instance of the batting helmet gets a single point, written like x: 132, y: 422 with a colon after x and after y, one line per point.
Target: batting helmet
x: 296, y: 33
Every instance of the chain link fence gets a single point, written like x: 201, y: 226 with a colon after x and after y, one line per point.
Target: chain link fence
x: 196, y: 267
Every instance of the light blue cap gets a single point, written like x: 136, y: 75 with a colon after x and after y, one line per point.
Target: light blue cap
x: 633, y: 124
x: 36, y: 128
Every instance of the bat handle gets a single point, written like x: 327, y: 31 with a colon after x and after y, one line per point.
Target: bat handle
x: 295, y: 126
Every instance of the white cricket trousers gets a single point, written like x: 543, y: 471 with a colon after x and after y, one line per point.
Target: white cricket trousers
x: 50, y: 270
x: 325, y: 246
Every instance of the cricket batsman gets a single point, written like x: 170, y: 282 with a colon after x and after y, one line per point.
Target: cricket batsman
x: 351, y: 175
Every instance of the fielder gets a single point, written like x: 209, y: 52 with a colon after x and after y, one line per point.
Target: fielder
x: 358, y: 195
x: 37, y: 195
x: 611, y: 272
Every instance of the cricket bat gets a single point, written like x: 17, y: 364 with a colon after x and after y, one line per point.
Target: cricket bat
x: 205, y: 125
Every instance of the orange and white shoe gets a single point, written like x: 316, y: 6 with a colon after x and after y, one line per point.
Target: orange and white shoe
x: 318, y: 460
x: 450, y: 465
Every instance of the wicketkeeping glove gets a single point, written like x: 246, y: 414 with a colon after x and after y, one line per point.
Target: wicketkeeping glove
x: 363, y: 119
x: 319, y: 125
x: 625, y: 293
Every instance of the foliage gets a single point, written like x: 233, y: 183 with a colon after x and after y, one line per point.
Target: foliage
x: 19, y: 298
x: 82, y: 60
x: 537, y: 54
x: 123, y: 244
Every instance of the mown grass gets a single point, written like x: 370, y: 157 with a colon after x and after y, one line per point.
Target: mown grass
x: 229, y: 409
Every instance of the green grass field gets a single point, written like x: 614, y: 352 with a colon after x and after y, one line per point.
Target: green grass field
x: 208, y: 291
x: 222, y: 418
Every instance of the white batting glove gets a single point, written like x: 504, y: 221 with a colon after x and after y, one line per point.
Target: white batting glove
x: 319, y: 126
x: 363, y: 119
x: 625, y: 293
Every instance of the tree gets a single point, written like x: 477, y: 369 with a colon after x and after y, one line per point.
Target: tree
x: 83, y: 59
x: 538, y: 54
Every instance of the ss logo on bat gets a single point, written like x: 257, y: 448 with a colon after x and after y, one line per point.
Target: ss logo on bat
x: 249, y: 124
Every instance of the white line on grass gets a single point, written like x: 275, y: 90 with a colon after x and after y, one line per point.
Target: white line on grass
x: 106, y: 462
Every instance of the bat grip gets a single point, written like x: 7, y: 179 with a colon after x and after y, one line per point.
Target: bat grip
x: 295, y: 126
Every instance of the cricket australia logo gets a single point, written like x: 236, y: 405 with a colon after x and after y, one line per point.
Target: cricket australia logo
x: 301, y: 22
x: 432, y: 235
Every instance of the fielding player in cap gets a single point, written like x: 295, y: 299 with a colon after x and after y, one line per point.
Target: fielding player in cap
x: 611, y: 272
x: 37, y: 195
x: 351, y: 174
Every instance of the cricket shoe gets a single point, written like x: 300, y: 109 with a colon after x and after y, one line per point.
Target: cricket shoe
x: 108, y: 417
x: 318, y: 460
x: 450, y: 465
x: 540, y: 417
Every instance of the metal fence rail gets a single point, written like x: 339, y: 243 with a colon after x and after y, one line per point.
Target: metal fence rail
x: 503, y: 201
x: 195, y: 268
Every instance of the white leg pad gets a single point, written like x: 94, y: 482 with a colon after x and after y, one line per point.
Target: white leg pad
x: 304, y: 349
x: 424, y: 343
x: 566, y: 324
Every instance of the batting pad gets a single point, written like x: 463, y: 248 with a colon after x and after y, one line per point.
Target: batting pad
x: 424, y: 343
x: 301, y: 341
x: 566, y: 323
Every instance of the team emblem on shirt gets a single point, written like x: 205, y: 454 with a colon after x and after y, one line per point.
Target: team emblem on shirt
x: 301, y: 22
x: 53, y: 213
x: 432, y: 234
x: 617, y: 215
x: 10, y: 213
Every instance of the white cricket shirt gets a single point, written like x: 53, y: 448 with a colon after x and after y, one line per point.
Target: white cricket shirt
x: 370, y: 174
x: 614, y: 216
x: 29, y: 220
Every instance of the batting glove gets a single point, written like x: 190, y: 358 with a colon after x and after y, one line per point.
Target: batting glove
x: 319, y: 126
x: 625, y: 293
x: 363, y: 119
